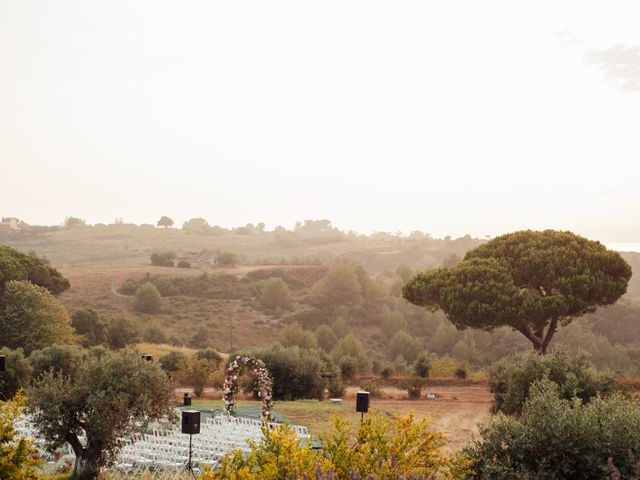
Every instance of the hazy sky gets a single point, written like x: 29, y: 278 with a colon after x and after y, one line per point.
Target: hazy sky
x: 449, y: 117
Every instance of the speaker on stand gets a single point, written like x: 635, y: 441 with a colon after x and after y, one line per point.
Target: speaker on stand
x: 362, y: 403
x: 190, y: 425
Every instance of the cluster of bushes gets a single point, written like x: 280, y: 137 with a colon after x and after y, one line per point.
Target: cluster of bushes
x: 212, y: 286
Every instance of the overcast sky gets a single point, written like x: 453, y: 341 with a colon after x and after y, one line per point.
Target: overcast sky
x: 448, y: 117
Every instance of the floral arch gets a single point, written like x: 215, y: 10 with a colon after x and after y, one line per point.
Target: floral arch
x: 260, y: 374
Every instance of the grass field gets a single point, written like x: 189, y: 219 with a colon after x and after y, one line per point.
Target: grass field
x: 456, y: 411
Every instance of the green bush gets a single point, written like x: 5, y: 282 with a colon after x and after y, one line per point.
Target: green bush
x: 373, y: 388
x: 388, y: 371
x: 422, y: 365
x: 147, y: 298
x: 163, y: 259
x: 122, y: 332
x: 297, y: 372
x: 171, y: 361
x: 274, y: 292
x: 404, y: 344
x: 348, y: 367
x: 559, y: 438
x: 336, y: 388
x: 211, y: 355
x: 511, y: 378
x: 461, y: 373
x: 414, y: 386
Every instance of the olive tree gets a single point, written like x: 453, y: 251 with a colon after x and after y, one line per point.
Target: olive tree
x: 107, y: 396
x: 531, y: 281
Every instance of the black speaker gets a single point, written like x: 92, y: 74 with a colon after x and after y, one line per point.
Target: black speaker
x: 362, y: 402
x: 190, y: 421
x: 186, y: 400
x: 3, y: 364
x: 147, y: 357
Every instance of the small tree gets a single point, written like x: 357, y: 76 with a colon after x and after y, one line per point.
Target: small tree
x: 294, y: 335
x: 422, y: 365
x: 196, y: 373
x: 171, y: 361
x: 123, y: 332
x: 211, y: 355
x: 404, y: 344
x: 91, y: 326
x: 165, y: 222
x: 325, y: 338
x: 274, y: 292
x: 106, y: 398
x: 147, y: 298
x: 531, y: 281
x: 163, y: 259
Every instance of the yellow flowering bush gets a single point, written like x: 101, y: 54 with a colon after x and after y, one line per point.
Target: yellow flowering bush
x: 382, y: 448
x: 18, y: 458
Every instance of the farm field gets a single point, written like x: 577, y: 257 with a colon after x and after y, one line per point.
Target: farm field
x: 456, y: 412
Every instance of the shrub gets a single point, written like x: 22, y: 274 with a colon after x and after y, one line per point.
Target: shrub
x: 294, y: 335
x: 155, y: 334
x: 63, y: 359
x: 211, y: 355
x: 444, y: 366
x: 348, y: 367
x: 561, y: 438
x: 421, y: 365
x: 404, y: 344
x: 147, y: 298
x: 381, y: 448
x: 91, y: 326
x: 195, y: 373
x: 165, y: 287
x: 183, y: 264
x: 129, y: 287
x: 373, y: 388
x: 336, y: 388
x: 122, y: 332
x: 350, y: 346
x: 296, y: 372
x: 511, y: 378
x: 163, y: 259
x: 461, y: 373
x: 226, y: 259
x: 325, y: 338
x: 275, y: 293
x: 171, y: 361
x: 388, y: 371
x: 413, y: 386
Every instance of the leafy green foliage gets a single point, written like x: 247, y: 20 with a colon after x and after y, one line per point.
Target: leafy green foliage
x: 556, y: 437
x: 32, y: 318
x: 17, y: 374
x: 339, y: 287
x: 422, y: 365
x: 93, y: 329
x: 413, y: 385
x: 351, y: 347
x: 275, y: 293
x: 528, y: 280
x: 15, y: 265
x: 294, y: 335
x: 147, y: 298
x: 297, y: 372
x: 404, y: 344
x: 171, y: 361
x: 107, y: 394
x: 123, y: 332
x: 196, y: 373
x: 62, y: 359
x: 325, y: 338
x: 211, y: 355
x: 511, y: 379
x: 163, y: 259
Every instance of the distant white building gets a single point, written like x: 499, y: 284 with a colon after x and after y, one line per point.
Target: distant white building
x: 9, y: 224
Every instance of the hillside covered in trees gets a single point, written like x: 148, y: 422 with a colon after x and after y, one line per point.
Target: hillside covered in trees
x: 314, y: 283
